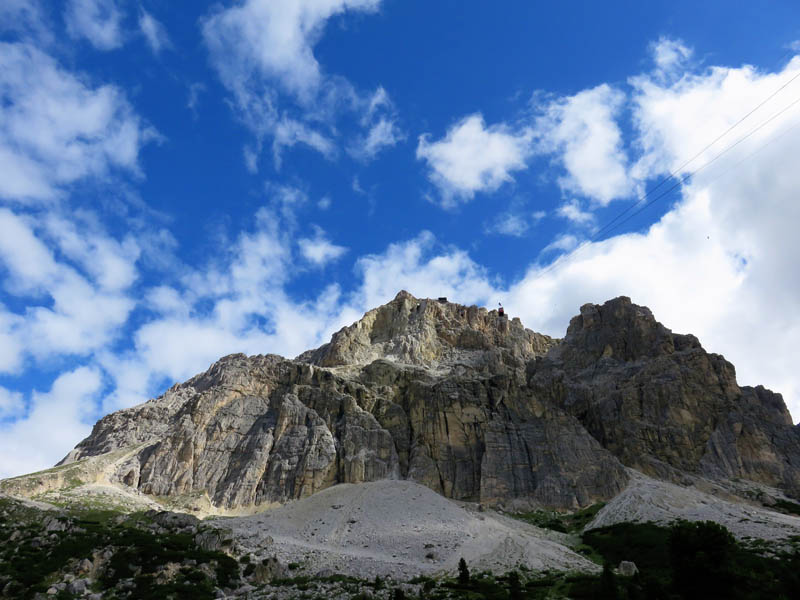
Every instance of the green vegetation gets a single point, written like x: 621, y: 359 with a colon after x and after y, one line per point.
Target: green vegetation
x: 148, y: 561
x: 563, y: 522
x: 463, y: 572
x: 793, y: 508
x: 38, y: 558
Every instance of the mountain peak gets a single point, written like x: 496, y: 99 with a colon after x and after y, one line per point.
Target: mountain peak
x: 461, y: 399
x: 430, y: 332
x: 621, y: 330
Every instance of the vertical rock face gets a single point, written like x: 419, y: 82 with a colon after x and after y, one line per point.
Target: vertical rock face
x: 662, y: 404
x: 464, y: 401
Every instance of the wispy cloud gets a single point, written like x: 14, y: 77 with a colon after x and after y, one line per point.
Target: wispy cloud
x: 54, y: 130
x: 572, y: 211
x: 263, y: 52
x: 154, y: 32
x: 98, y: 21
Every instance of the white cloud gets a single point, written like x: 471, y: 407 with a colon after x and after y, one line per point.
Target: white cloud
x: 324, y: 203
x: 66, y: 312
x: 110, y: 264
x: 55, y: 130
x: 11, y: 347
x: 154, y: 32
x: 99, y: 21
x: 581, y: 131
x: 563, y: 242
x: 474, y: 158
x: 356, y: 186
x: 722, y: 263
x: 514, y: 222
x: 383, y: 134
x: 379, y: 120
x: 56, y: 420
x: 508, y: 223
x: 288, y: 132
x: 670, y: 56
x: 27, y: 18
x: 263, y: 51
x: 677, y: 121
x: 275, y: 39
x: 11, y: 404
x: 416, y: 266
x: 194, y: 96
x: 572, y: 211
x: 319, y: 250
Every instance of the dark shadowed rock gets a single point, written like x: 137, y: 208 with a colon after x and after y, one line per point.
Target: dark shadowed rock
x: 662, y: 404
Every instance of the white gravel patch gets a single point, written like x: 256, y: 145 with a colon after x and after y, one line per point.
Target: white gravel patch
x: 647, y: 499
x: 397, y: 529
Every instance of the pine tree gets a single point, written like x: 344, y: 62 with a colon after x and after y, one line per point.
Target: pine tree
x: 463, y: 572
x: 514, y: 586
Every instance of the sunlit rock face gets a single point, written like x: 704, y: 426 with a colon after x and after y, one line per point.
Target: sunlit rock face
x: 463, y: 400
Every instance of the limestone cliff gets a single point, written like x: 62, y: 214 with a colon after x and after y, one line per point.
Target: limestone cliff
x: 662, y: 404
x: 464, y: 401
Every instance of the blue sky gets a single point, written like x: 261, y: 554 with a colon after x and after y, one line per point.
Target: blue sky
x: 180, y: 181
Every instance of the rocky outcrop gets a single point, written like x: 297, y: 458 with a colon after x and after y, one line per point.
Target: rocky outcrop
x: 662, y: 404
x: 430, y: 333
x: 464, y: 401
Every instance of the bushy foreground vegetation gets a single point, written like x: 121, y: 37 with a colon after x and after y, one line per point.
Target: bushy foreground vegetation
x: 138, y: 556
x: 85, y: 552
x: 563, y: 522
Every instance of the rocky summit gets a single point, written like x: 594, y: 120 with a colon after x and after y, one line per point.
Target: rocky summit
x: 460, y: 399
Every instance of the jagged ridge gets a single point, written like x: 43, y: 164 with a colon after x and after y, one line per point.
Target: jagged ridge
x: 464, y: 401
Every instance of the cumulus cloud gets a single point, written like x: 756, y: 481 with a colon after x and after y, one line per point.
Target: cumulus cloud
x: 425, y: 269
x: 55, y: 130
x: 721, y: 264
x: 154, y: 32
x: 579, y: 132
x: 669, y: 56
x: 55, y: 420
x: 582, y: 134
x: 11, y: 405
x: 319, y: 250
x: 474, y: 158
x: 288, y: 132
x: 99, y: 21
